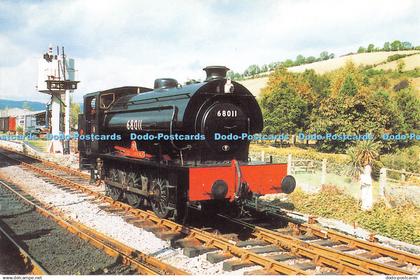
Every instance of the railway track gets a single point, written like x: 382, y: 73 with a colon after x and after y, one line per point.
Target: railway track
x: 23, y: 262
x: 332, y: 249
x: 301, y: 248
x: 128, y: 259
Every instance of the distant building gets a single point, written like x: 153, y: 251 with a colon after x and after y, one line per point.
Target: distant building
x: 25, y: 118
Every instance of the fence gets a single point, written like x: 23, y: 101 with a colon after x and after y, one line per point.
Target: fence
x: 399, y: 186
x: 312, y: 174
x: 394, y: 185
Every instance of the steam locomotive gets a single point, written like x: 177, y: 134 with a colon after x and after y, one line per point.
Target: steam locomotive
x: 167, y: 155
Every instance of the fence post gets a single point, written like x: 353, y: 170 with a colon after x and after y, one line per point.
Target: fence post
x: 382, y: 182
x: 262, y: 156
x: 366, y: 188
x: 289, y: 164
x: 324, y: 171
x: 403, y: 175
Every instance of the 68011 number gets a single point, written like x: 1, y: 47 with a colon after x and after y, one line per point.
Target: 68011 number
x: 134, y: 125
x: 227, y: 113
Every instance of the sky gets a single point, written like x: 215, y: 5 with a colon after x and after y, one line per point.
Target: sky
x: 132, y: 42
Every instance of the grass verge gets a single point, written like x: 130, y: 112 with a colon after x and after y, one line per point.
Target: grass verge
x: 401, y: 223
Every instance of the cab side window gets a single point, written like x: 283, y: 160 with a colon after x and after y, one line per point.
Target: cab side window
x: 107, y: 100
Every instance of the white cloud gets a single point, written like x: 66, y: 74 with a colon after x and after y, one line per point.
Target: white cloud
x: 18, y: 82
x: 132, y: 42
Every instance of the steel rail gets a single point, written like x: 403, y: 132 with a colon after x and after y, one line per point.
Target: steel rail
x: 318, y: 254
x: 351, y: 241
x: 30, y: 263
x: 141, y: 262
x: 360, y: 243
x: 328, y: 256
x: 51, y: 164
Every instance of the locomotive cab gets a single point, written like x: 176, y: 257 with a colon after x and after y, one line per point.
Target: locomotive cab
x: 94, y: 107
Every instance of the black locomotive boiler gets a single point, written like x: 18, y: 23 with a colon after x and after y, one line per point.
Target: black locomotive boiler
x: 166, y: 155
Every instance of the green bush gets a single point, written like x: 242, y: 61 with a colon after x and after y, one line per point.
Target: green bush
x: 395, y: 57
x: 415, y: 73
x: 370, y: 72
x: 407, y: 159
x: 19, y: 129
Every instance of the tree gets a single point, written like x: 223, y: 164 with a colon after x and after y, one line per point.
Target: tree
x: 400, y: 65
x: 386, y: 47
x: 324, y: 55
x: 252, y: 70
x: 288, y: 63
x: 406, y: 46
x: 338, y: 77
x: 370, y: 48
x: 237, y: 76
x: 409, y: 106
x: 283, y: 110
x: 272, y: 66
x: 363, y: 153
x: 380, y: 81
x: 319, y: 87
x: 396, y: 45
x: 361, y: 50
x: 349, y: 87
x: 19, y: 130
x: 300, y: 59
x: 74, y: 113
x: 264, y: 68
x: 310, y: 59
x: 285, y: 102
x: 356, y: 115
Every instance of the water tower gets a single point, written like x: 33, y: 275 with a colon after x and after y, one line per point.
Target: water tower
x: 57, y: 77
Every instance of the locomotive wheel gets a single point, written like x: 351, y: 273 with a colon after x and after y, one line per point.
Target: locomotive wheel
x: 113, y: 175
x: 160, y: 198
x: 133, y: 199
x: 113, y: 192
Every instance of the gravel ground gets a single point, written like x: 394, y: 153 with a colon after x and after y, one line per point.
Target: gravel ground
x: 81, y: 208
x: 11, y: 262
x: 398, y: 195
x: 57, y: 250
x: 71, y: 160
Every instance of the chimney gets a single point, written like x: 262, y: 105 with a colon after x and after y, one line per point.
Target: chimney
x: 215, y: 72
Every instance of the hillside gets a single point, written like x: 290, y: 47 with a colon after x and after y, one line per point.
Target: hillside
x: 257, y: 84
x: 410, y: 63
x: 322, y: 67
x: 34, y: 106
